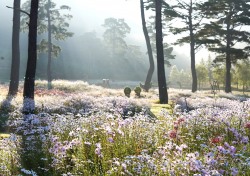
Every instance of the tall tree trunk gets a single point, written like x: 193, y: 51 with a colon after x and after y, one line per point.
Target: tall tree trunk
x: 147, y: 84
x: 228, y: 88
x: 193, y: 70
x: 29, y: 82
x: 15, y: 64
x: 192, y: 49
x: 163, y: 94
x: 49, y: 75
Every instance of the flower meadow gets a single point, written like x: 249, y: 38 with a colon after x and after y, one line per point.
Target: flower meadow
x: 99, y: 134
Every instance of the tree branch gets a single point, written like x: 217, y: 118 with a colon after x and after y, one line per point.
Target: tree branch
x: 197, y: 48
x: 19, y: 10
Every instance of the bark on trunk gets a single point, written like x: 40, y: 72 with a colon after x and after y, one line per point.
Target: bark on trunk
x: 29, y: 82
x: 192, y: 50
x: 15, y: 65
x: 193, y: 70
x: 147, y: 84
x: 228, y: 88
x: 49, y: 75
x: 163, y: 94
x: 228, y: 74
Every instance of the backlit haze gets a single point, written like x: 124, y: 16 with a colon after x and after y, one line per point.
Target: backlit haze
x: 88, y: 17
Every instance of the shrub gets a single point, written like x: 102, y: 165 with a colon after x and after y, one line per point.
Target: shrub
x: 127, y: 91
x: 137, y: 91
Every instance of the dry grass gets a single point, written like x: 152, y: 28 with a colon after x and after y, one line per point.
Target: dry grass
x: 64, y: 88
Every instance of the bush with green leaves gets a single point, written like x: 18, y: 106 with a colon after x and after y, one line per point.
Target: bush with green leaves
x: 137, y: 91
x: 127, y: 91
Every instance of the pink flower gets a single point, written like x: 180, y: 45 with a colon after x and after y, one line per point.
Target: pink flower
x: 181, y: 120
x: 176, y: 126
x: 247, y: 125
x: 173, y: 134
x: 216, y: 140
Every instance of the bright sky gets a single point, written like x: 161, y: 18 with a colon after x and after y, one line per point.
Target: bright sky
x: 89, y: 15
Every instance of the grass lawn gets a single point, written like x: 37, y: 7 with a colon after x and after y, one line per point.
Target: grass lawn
x: 4, y: 135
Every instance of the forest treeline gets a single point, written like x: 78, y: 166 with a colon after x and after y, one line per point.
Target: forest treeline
x: 209, y: 73
x: 221, y: 26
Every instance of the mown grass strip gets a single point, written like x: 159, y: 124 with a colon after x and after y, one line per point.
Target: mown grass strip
x: 156, y: 108
x: 4, y: 135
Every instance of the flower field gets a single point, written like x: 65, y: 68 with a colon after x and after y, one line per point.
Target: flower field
x: 79, y: 129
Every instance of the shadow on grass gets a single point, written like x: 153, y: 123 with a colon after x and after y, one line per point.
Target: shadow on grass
x: 32, y: 156
x: 5, y: 109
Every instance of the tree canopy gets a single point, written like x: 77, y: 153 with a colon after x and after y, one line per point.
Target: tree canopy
x: 114, y: 35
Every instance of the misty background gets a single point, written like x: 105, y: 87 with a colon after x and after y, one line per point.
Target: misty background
x: 85, y: 55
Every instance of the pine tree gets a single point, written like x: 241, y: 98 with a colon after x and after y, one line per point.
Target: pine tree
x: 163, y: 94
x: 55, y: 24
x: 15, y: 64
x: 147, y: 84
x: 189, y: 16
x: 29, y: 81
x: 226, y: 30
x: 116, y: 31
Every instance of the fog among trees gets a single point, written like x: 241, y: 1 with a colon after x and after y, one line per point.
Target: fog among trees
x: 85, y: 55
x: 87, y: 48
x: 124, y: 87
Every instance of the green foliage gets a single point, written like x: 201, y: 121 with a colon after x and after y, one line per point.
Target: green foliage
x: 43, y: 47
x: 188, y: 15
x: 35, y: 157
x: 127, y: 91
x: 181, y: 78
x: 189, y: 18
x: 137, y: 91
x: 219, y: 72
x: 5, y: 108
x: 116, y: 31
x: 225, y: 28
x: 202, y: 73
x: 242, y: 74
x: 174, y: 74
x: 59, y: 25
x: 8, y: 160
x: 158, y: 108
x: 168, y: 50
